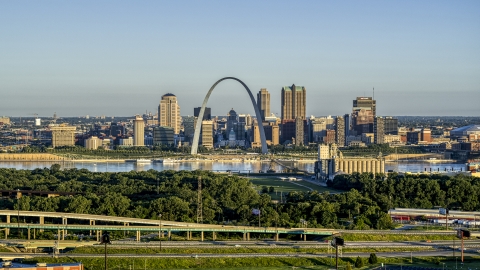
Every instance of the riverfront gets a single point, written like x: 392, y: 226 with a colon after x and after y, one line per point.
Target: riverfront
x: 218, y: 166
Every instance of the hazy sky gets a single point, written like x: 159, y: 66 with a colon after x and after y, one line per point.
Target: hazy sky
x: 119, y: 57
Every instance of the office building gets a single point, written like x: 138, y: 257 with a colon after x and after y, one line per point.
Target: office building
x: 391, y: 125
x: 63, y: 135
x: 117, y: 129
x: 232, y: 118
x: 379, y: 130
x: 138, y: 131
x: 319, y: 126
x: 413, y: 137
x: 4, y: 120
x: 272, y: 133
x: 207, y: 134
x: 169, y: 112
x: 426, y: 135
x: 263, y: 103
x: 189, y: 123
x: 340, y: 131
x: 294, y: 102
x: 93, y: 143
x: 163, y: 136
x: 207, y: 114
x: 363, y: 114
x: 293, y: 108
x: 125, y: 142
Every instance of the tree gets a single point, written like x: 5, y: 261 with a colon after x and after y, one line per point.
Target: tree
x: 349, y: 266
x: 359, y: 262
x: 373, y: 258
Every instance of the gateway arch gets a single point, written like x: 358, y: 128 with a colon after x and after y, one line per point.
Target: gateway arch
x: 198, y: 126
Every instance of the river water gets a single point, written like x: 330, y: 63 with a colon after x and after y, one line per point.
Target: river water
x: 222, y: 166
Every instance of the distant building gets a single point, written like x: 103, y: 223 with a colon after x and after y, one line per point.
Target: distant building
x: 4, y: 120
x: 63, y: 135
x: 426, y: 135
x: 340, y: 131
x: 331, y: 162
x: 379, y: 130
x: 413, y: 137
x: 189, y: 123
x: 470, y: 132
x: 232, y: 118
x: 125, y: 142
x: 391, y: 125
x: 272, y: 133
x: 138, y: 131
x: 169, y: 112
x: 263, y: 103
x: 363, y: 114
x: 207, y: 114
x: 117, y: 130
x: 329, y: 136
x: 294, y: 102
x: 93, y: 143
x: 207, y: 134
x: 319, y: 127
x: 163, y: 136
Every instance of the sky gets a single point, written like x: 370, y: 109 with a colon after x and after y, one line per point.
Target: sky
x: 117, y: 58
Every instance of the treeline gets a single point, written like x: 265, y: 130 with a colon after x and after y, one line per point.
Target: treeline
x: 414, y: 191
x: 231, y: 199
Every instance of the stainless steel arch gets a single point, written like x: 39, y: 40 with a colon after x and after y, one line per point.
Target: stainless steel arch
x: 198, y: 126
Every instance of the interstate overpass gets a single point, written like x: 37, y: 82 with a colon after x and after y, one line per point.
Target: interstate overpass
x: 138, y: 225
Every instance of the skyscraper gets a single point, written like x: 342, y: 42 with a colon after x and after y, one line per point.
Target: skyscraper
x: 340, y: 131
x: 207, y: 134
x: 169, y: 112
x: 294, y: 109
x: 263, y: 102
x: 138, y: 131
x: 379, y: 130
x: 294, y: 102
x: 363, y: 115
x: 207, y: 115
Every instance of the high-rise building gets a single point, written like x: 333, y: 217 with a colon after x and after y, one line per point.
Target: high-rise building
x: 271, y: 133
x: 63, y: 135
x: 391, y: 125
x: 263, y: 102
x: 207, y: 114
x: 363, y: 114
x: 299, y: 131
x: 379, y: 130
x: 207, y: 133
x: 319, y: 127
x: 138, y: 131
x: 232, y: 118
x: 294, y: 102
x: 189, y: 123
x: 163, y: 136
x: 340, y: 131
x: 169, y: 112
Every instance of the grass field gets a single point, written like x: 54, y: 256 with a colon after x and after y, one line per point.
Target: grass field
x: 286, y: 186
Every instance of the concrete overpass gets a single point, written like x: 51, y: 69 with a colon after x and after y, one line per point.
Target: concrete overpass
x: 140, y: 225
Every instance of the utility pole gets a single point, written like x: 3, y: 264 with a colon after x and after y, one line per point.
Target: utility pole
x: 199, y: 201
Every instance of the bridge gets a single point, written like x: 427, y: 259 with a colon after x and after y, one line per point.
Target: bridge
x: 139, y: 225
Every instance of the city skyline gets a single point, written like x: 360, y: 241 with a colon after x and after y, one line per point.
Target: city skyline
x: 119, y: 58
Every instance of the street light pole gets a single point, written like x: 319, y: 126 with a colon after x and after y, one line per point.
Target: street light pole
x: 18, y: 212
x: 160, y: 232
